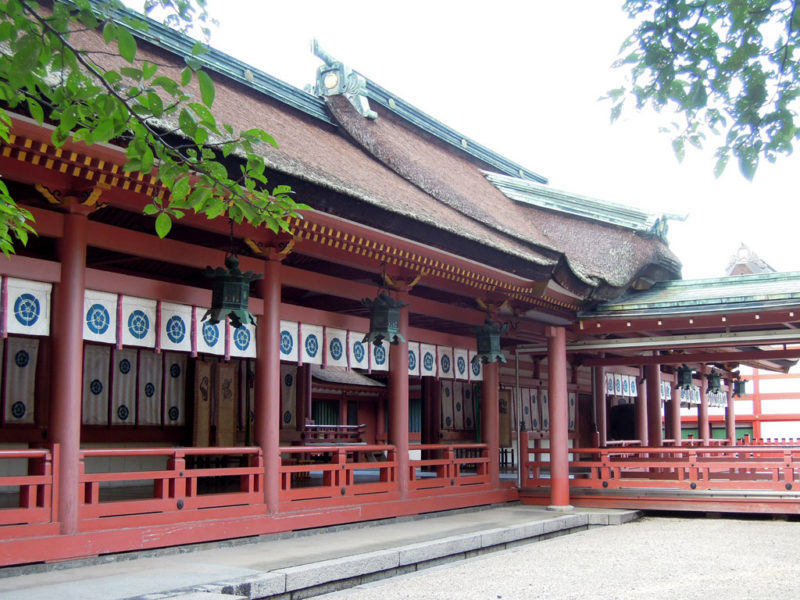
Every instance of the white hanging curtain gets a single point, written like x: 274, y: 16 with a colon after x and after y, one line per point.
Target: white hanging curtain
x: 289, y: 341
x: 447, y: 404
x: 96, y: 360
x: 428, y: 363
x: 461, y: 363
x: 20, y: 379
x: 357, y: 351
x: 243, y: 341
x: 210, y: 337
x: 176, y: 327
x: 469, y: 407
x: 445, y: 361
x: 28, y: 307
x: 413, y: 358
x: 151, y: 368
x: 335, y: 347
x: 380, y: 356
x: 545, y: 408
x: 100, y: 317
x: 138, y: 322
x: 288, y: 396
x: 311, y: 348
x: 175, y: 388
x: 535, y: 422
x: 123, y: 394
x: 475, y: 367
x: 458, y: 405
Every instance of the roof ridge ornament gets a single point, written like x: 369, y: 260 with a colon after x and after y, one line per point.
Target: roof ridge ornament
x: 335, y: 78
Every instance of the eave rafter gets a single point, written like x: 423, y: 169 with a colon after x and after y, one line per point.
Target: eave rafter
x: 317, y: 232
x: 660, y: 325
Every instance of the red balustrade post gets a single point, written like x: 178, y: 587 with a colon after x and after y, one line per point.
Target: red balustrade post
x: 67, y: 337
x: 559, y: 418
x: 398, y: 399
x: 268, y: 383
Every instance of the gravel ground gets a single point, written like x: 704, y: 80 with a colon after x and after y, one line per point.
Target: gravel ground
x: 654, y: 558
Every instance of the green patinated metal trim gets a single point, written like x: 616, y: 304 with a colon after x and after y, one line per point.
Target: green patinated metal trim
x: 224, y: 64
x: 740, y: 292
x: 528, y: 192
x: 446, y: 134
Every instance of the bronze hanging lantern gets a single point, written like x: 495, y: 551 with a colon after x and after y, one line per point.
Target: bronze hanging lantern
x: 685, y: 377
x: 488, y: 336
x: 714, y: 382
x: 384, y: 319
x: 739, y: 387
x: 230, y: 293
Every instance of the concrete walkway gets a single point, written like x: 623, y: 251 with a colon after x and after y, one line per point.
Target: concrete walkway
x: 300, y: 564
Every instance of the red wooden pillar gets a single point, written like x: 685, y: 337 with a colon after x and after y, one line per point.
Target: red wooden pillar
x: 66, y: 399
x: 655, y: 438
x: 676, y: 432
x: 398, y: 399
x: 559, y: 418
x: 490, y: 418
x: 268, y: 383
x: 730, y: 415
x: 703, y: 430
x: 640, y: 412
x: 600, y: 406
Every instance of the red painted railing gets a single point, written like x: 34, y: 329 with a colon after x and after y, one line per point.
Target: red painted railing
x: 761, y: 468
x: 35, y: 494
x: 449, y: 466
x: 192, y: 478
x: 140, y: 483
x: 327, y: 472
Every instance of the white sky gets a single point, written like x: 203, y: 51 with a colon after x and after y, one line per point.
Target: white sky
x: 523, y: 78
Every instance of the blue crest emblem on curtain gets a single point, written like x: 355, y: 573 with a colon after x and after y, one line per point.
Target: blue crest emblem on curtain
x: 380, y: 355
x: 412, y: 360
x: 311, y: 345
x: 138, y: 324
x: 287, y: 342
x: 26, y: 309
x: 176, y: 329
x: 210, y: 334
x: 358, y: 351
x: 98, y: 319
x: 241, y: 338
x: 336, y: 348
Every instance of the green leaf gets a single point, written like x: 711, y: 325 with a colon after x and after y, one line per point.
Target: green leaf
x: 148, y: 70
x: 181, y: 189
x: 163, y: 224
x: 206, y: 88
x: 150, y: 209
x: 186, y: 76
x: 109, y: 32
x: 126, y: 44
x: 36, y: 110
x: 186, y: 123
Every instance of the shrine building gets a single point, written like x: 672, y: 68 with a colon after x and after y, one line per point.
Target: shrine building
x: 537, y: 345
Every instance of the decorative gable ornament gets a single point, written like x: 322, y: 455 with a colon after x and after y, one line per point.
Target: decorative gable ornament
x: 334, y: 79
x: 488, y: 336
x: 230, y: 293
x: 384, y: 319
